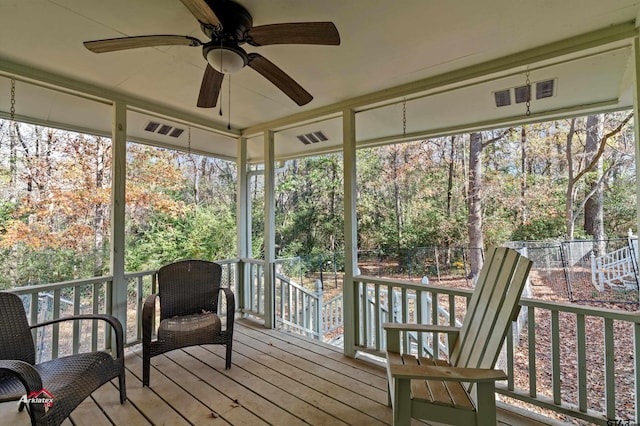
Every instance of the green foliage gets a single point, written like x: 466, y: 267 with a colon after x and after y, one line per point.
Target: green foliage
x: 200, y: 234
x: 540, y: 229
x: 54, y: 217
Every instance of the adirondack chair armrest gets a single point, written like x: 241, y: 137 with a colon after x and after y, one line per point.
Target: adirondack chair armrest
x: 454, y: 374
x: 393, y: 330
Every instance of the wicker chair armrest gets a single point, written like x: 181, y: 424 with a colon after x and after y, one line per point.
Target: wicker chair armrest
x: 24, y: 372
x: 30, y: 379
x: 148, y: 312
x: 231, y: 306
x: 115, y: 324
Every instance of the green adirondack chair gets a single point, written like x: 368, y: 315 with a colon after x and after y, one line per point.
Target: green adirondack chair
x: 462, y: 390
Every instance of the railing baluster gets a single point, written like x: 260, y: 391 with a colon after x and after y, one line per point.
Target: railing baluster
x: 75, y: 334
x: 34, y: 307
x: 139, y: 304
x: 95, y: 309
x: 609, y: 370
x: 55, y: 334
x: 418, y: 312
x: 531, y: 334
x: 365, y: 312
x: 434, y: 308
x: 555, y: 356
x: 582, y: 362
x: 379, y: 343
x: 404, y: 303
x: 452, y: 310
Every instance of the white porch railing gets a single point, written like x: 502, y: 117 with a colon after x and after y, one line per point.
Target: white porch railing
x: 601, y: 385
x: 92, y: 295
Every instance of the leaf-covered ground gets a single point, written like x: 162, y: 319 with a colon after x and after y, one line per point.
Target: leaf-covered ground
x: 549, y: 289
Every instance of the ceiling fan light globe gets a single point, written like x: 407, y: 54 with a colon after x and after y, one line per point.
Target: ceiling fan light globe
x: 225, y: 60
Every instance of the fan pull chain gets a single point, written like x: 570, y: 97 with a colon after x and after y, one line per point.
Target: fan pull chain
x: 404, y: 118
x: 229, y: 104
x: 189, y: 140
x: 13, y: 100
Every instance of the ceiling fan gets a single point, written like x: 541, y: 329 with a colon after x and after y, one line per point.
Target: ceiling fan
x: 229, y: 25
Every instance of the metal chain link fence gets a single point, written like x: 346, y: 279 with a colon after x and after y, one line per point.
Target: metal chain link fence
x: 567, y: 271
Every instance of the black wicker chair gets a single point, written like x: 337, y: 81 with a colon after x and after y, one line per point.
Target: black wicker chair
x: 189, y: 291
x: 69, y: 380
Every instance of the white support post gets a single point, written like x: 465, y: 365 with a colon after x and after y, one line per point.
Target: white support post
x: 636, y: 134
x: 243, y: 221
x: 269, y: 230
x: 119, y: 173
x: 350, y: 230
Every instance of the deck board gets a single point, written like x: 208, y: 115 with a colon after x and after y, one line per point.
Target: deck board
x: 276, y: 378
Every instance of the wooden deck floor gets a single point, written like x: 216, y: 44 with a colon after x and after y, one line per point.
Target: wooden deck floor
x: 277, y: 378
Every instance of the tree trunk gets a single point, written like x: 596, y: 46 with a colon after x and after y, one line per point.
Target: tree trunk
x: 593, y: 208
x: 451, y: 170
x: 100, y: 209
x: 570, y: 194
x: 474, y: 224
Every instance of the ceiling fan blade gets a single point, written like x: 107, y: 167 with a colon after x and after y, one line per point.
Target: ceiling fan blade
x: 279, y: 78
x: 123, y: 43
x: 294, y: 33
x: 210, y: 88
x: 203, y: 13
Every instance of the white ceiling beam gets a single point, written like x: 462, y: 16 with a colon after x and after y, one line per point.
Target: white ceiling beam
x: 614, y: 33
x: 64, y: 84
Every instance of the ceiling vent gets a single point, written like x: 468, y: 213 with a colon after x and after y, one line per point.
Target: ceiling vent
x: 163, y: 129
x: 503, y: 98
x: 523, y: 94
x: 544, y: 89
x: 152, y: 126
x: 313, y: 137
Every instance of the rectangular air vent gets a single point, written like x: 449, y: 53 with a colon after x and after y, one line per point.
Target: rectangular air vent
x: 303, y: 139
x: 523, y: 94
x: 152, y: 126
x: 544, y: 89
x: 313, y: 137
x: 163, y: 129
x: 176, y: 132
x: 321, y: 136
x: 503, y: 98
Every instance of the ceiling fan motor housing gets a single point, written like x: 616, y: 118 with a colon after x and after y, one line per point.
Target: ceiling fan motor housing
x: 235, y: 20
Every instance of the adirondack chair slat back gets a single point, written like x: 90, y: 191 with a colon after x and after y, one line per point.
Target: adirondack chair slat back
x: 491, y: 309
x: 474, y: 310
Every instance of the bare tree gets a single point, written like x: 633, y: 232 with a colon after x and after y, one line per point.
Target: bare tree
x: 594, y: 206
x: 571, y: 209
x: 474, y: 200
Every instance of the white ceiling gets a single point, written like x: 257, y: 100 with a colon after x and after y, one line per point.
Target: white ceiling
x: 384, y: 44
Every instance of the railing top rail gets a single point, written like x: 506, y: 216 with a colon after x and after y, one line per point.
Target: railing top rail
x: 64, y: 284
x: 251, y: 260
x: 414, y: 286
x: 228, y: 261
x: 140, y: 273
x: 633, y: 317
